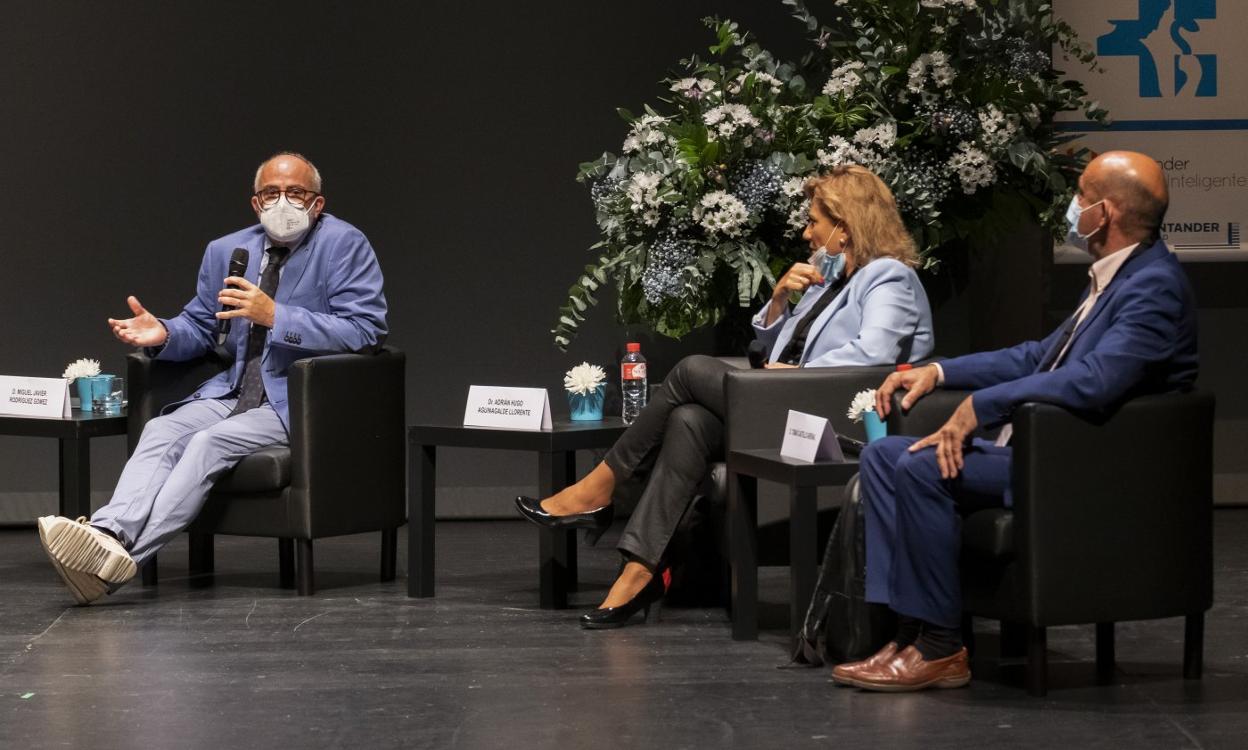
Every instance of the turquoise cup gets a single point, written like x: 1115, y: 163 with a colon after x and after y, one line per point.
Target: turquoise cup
x: 876, y: 428
x: 587, y: 407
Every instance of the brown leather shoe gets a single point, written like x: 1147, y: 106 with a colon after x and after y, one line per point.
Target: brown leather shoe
x: 908, y: 670
x: 847, y: 673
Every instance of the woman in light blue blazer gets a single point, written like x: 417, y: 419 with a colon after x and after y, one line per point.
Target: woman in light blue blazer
x: 862, y: 304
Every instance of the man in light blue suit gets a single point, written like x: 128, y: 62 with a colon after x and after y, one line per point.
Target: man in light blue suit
x: 312, y: 286
x: 1133, y: 333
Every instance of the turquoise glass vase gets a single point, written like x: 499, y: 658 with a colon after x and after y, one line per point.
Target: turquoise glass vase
x: 876, y: 428
x: 89, y: 386
x: 587, y: 407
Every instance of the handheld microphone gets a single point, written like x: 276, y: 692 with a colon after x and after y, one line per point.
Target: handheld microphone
x: 757, y: 354
x: 238, y: 267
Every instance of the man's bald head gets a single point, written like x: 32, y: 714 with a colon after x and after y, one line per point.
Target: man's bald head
x: 295, y: 167
x: 1136, y: 187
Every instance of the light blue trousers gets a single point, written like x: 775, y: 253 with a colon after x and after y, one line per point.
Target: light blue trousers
x: 180, y: 455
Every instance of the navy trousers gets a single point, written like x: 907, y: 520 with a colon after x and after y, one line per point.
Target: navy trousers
x: 914, y: 523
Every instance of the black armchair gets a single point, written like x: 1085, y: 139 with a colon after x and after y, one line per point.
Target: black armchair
x: 758, y: 402
x: 343, y: 472
x: 1111, y: 520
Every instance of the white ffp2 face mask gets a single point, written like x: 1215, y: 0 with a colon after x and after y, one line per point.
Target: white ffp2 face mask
x: 1073, y: 213
x: 286, y: 223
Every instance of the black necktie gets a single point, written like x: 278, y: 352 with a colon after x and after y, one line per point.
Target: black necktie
x: 251, y: 390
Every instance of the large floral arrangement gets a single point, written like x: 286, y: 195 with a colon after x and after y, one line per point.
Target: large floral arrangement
x: 951, y: 102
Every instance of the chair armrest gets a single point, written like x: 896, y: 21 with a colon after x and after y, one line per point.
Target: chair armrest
x: 758, y: 401
x: 347, y: 424
x: 153, y: 384
x: 1114, y: 516
x: 927, y: 415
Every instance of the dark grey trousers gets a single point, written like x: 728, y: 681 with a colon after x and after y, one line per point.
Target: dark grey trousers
x: 675, y: 439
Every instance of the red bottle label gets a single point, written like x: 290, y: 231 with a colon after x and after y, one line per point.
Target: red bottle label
x: 633, y: 370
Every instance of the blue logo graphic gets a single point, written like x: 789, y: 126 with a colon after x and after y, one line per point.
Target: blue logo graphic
x: 1140, y: 38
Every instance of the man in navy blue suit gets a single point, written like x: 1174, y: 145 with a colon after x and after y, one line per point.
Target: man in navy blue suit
x: 312, y: 286
x: 1134, y: 332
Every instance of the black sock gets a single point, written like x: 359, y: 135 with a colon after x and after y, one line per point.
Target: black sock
x: 936, y: 642
x: 907, y: 631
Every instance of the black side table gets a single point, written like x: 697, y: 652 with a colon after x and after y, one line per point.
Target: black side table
x: 745, y: 468
x: 74, y: 434
x: 556, y: 457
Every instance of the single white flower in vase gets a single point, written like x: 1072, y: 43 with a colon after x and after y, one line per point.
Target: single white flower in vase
x: 80, y: 372
x: 81, y: 368
x: 586, y: 385
x: 862, y: 409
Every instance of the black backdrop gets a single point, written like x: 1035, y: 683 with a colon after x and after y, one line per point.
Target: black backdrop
x: 449, y: 132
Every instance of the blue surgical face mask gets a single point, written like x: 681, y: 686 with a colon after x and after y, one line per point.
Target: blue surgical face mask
x: 830, y: 265
x: 1073, y: 213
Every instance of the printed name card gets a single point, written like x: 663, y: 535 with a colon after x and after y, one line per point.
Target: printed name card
x: 499, y: 406
x: 34, y: 397
x: 810, y: 438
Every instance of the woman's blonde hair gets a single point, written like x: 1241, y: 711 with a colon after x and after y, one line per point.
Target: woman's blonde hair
x: 855, y: 196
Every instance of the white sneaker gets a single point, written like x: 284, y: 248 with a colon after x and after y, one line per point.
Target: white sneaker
x: 87, y: 559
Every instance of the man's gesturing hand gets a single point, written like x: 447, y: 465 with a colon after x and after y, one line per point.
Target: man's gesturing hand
x: 141, y: 330
x: 950, y: 439
x: 248, y: 302
x: 917, y: 383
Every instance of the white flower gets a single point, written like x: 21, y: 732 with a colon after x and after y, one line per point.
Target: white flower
x: 650, y: 217
x: 998, y: 129
x: 917, y: 74
x: 722, y: 213
x: 973, y: 168
x: 81, y: 368
x: 954, y: 4
x: 839, y: 151
x: 647, y: 130
x: 882, y: 136
x: 844, y: 79
x: 584, y: 378
x: 694, y: 88
x: 864, y: 401
x: 793, y: 187
x: 726, y: 119
x: 760, y: 79
x: 796, y: 220
x: 937, y: 63
x: 643, y: 191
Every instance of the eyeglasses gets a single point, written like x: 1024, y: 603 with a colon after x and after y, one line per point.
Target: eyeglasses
x: 296, y: 195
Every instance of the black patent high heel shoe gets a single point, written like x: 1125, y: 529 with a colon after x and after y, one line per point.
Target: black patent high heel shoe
x: 618, y: 617
x: 595, y: 522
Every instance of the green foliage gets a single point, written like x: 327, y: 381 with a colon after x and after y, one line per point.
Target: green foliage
x: 950, y: 102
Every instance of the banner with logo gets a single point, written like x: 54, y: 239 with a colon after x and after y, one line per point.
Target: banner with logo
x: 1175, y: 82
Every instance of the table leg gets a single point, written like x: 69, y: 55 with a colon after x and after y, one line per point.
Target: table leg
x: 743, y: 551
x: 75, y: 498
x: 422, y: 463
x: 556, y: 547
x: 803, y: 557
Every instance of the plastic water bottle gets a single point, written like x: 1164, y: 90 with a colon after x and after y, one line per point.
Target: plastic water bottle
x: 633, y: 382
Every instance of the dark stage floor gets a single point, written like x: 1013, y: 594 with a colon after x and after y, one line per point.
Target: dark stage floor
x: 244, y: 664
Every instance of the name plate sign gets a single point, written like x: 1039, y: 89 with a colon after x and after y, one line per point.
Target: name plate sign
x: 810, y: 438
x: 34, y: 397
x: 500, y: 406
